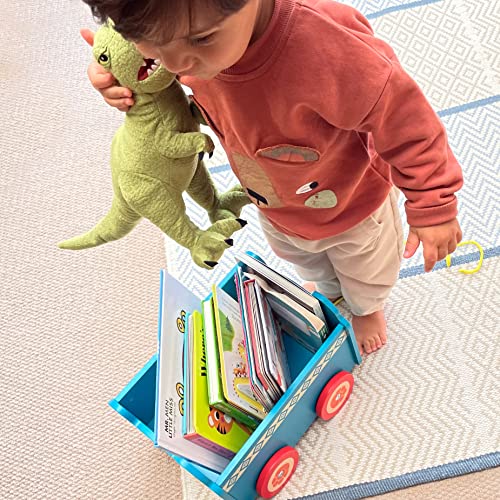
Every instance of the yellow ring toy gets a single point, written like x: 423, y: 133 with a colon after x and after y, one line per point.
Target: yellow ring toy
x: 481, y: 257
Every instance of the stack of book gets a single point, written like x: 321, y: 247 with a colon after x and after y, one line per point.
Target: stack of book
x: 222, y: 364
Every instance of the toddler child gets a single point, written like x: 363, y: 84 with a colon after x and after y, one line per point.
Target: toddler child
x: 320, y: 124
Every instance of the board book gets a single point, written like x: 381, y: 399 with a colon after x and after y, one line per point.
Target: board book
x: 175, y: 302
x: 210, y: 427
x: 232, y: 351
x: 216, y: 396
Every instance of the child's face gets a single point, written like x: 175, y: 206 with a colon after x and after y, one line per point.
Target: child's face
x: 211, y: 44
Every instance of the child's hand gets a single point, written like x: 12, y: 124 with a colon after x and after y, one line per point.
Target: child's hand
x: 105, y: 83
x: 438, y: 241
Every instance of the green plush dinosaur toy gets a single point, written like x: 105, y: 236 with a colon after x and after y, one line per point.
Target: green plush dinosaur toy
x: 156, y: 155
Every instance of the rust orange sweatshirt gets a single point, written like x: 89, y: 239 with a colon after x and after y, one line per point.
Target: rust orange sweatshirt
x: 319, y: 119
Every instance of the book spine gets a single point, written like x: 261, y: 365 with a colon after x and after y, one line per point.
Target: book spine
x: 157, y: 429
x: 235, y: 413
x: 211, y: 353
x: 210, y: 445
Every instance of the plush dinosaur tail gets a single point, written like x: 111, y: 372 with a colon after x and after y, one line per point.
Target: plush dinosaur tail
x: 113, y: 226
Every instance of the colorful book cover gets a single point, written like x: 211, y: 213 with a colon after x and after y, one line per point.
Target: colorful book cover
x: 266, y: 324
x: 282, y: 283
x: 175, y: 302
x: 215, y: 391
x: 241, y: 280
x: 279, y: 365
x: 232, y: 352
x: 259, y: 382
x: 186, y: 368
x: 294, y: 319
x: 211, y: 428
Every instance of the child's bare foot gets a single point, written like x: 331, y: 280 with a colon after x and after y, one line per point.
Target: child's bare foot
x: 370, y: 331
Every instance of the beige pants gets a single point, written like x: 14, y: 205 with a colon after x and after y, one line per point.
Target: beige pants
x: 362, y: 263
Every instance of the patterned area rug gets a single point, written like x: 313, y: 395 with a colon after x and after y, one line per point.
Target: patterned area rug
x: 424, y: 408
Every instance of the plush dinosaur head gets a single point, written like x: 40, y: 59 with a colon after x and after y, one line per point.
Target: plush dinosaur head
x: 129, y: 67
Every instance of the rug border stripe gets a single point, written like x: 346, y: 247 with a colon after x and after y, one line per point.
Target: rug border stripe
x: 423, y: 476
x: 409, y: 272
x: 461, y: 108
x: 397, y: 8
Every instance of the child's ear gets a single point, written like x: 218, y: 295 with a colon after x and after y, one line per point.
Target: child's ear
x: 88, y: 36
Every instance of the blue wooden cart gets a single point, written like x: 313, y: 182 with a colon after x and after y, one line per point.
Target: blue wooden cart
x: 322, y: 384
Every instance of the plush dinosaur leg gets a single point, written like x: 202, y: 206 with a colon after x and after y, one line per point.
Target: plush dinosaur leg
x: 202, y: 188
x: 209, y: 240
x: 218, y: 205
x: 118, y: 222
x: 163, y: 206
x: 182, y: 145
x: 233, y: 201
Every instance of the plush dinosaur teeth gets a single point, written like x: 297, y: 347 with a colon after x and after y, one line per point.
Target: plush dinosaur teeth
x: 147, y: 69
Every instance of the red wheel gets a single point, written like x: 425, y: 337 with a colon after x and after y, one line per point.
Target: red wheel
x: 277, y: 472
x: 334, y: 395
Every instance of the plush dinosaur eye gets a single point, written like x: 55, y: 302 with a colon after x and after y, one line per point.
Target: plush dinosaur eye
x: 103, y: 58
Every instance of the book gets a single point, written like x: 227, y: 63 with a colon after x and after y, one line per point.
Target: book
x: 264, y: 387
x: 268, y: 357
x: 232, y: 355
x: 187, y: 368
x: 175, y: 302
x: 293, y: 318
x: 209, y: 427
x: 246, y: 317
x: 273, y: 339
x: 282, y: 284
x: 216, y: 397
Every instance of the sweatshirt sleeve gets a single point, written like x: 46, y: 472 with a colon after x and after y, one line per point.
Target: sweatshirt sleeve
x: 409, y: 135
x: 367, y: 90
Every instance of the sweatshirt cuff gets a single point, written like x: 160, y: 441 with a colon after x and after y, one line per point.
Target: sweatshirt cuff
x: 432, y: 216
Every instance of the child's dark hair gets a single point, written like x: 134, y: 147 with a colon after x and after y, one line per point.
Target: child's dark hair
x: 140, y: 20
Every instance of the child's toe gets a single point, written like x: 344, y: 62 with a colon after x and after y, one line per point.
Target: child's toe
x: 360, y: 348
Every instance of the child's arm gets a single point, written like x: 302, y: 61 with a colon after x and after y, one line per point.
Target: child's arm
x: 368, y: 91
x: 408, y: 135
x: 104, y: 82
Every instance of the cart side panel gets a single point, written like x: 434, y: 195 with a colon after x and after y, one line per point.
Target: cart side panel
x: 204, y: 475
x: 333, y: 318
x: 290, y: 418
x: 136, y: 402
